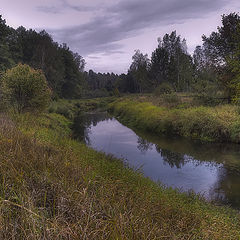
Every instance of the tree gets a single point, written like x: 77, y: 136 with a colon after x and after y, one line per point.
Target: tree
x: 221, y: 45
x: 73, y: 74
x: 139, y: 72
x: 25, y: 89
x: 159, y: 65
x: 234, y: 66
x: 171, y: 63
x: 206, y: 83
x: 221, y: 48
x: 5, y: 55
x: 62, y: 68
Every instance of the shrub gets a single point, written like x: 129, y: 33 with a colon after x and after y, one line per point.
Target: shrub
x: 208, y: 93
x: 116, y: 92
x: 25, y: 89
x: 171, y: 98
x: 65, y: 111
x: 163, y: 88
x: 235, y: 88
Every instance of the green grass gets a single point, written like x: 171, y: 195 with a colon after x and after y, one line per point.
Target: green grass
x: 179, y: 100
x: 52, y: 187
x: 220, y: 123
x: 69, y: 108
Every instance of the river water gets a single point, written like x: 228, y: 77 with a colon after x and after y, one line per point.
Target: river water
x: 209, y: 169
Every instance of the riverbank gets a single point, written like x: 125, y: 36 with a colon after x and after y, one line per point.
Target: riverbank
x: 53, y: 187
x: 220, y: 123
x: 72, y: 107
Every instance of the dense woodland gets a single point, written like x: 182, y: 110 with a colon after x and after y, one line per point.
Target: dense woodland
x: 213, y: 69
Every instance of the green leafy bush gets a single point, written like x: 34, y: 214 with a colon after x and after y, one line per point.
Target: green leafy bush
x: 25, y: 89
x: 208, y: 93
x: 235, y: 88
x: 163, y: 88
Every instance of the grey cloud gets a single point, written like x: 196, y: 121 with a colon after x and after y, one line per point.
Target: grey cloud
x: 94, y: 57
x: 49, y: 9
x: 64, y: 5
x: 128, y: 18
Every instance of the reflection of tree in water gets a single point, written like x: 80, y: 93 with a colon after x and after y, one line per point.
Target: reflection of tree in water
x: 173, y: 159
x: 144, y: 145
x: 82, y: 124
x: 95, y: 118
x: 81, y: 128
x: 227, y: 187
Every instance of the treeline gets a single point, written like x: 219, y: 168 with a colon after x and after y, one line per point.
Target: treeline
x: 62, y: 68
x: 170, y: 63
x: 102, y: 84
x: 213, y: 69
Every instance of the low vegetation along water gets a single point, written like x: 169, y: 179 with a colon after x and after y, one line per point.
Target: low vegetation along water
x: 210, y: 169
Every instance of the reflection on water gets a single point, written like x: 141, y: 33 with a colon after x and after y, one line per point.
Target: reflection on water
x: 212, y: 170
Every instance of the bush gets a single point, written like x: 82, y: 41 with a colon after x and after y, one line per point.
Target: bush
x: 116, y: 92
x: 208, y: 94
x: 65, y: 111
x: 171, y: 98
x: 163, y: 88
x: 25, y: 89
x: 235, y: 89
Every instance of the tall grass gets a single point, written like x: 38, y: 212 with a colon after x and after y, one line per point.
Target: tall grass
x: 219, y: 123
x: 69, y: 108
x: 52, y: 187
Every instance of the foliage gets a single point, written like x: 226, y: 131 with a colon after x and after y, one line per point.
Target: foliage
x: 211, y: 64
x: 220, y: 48
x: 171, y: 63
x: 71, y: 108
x: 138, y: 72
x: 25, y: 89
x: 221, y: 45
x: 234, y: 66
x: 6, y: 60
x: 206, y: 79
x: 63, y: 69
x: 98, y: 81
x: 116, y: 92
x: 163, y: 88
x: 207, y: 91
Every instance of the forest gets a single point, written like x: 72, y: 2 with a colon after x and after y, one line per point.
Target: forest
x: 213, y: 70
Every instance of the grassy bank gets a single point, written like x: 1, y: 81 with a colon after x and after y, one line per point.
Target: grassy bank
x: 69, y: 108
x: 52, y: 187
x: 220, y: 123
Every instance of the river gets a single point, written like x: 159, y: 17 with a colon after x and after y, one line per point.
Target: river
x: 209, y: 169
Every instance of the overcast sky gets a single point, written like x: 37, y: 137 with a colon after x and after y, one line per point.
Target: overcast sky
x: 106, y: 32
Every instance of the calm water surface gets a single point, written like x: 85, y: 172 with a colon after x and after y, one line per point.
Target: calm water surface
x: 212, y: 170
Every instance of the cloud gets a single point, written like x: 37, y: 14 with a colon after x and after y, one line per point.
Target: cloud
x: 64, y: 5
x: 49, y: 9
x: 124, y: 19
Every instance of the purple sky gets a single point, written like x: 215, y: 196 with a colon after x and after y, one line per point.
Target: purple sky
x: 106, y: 32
